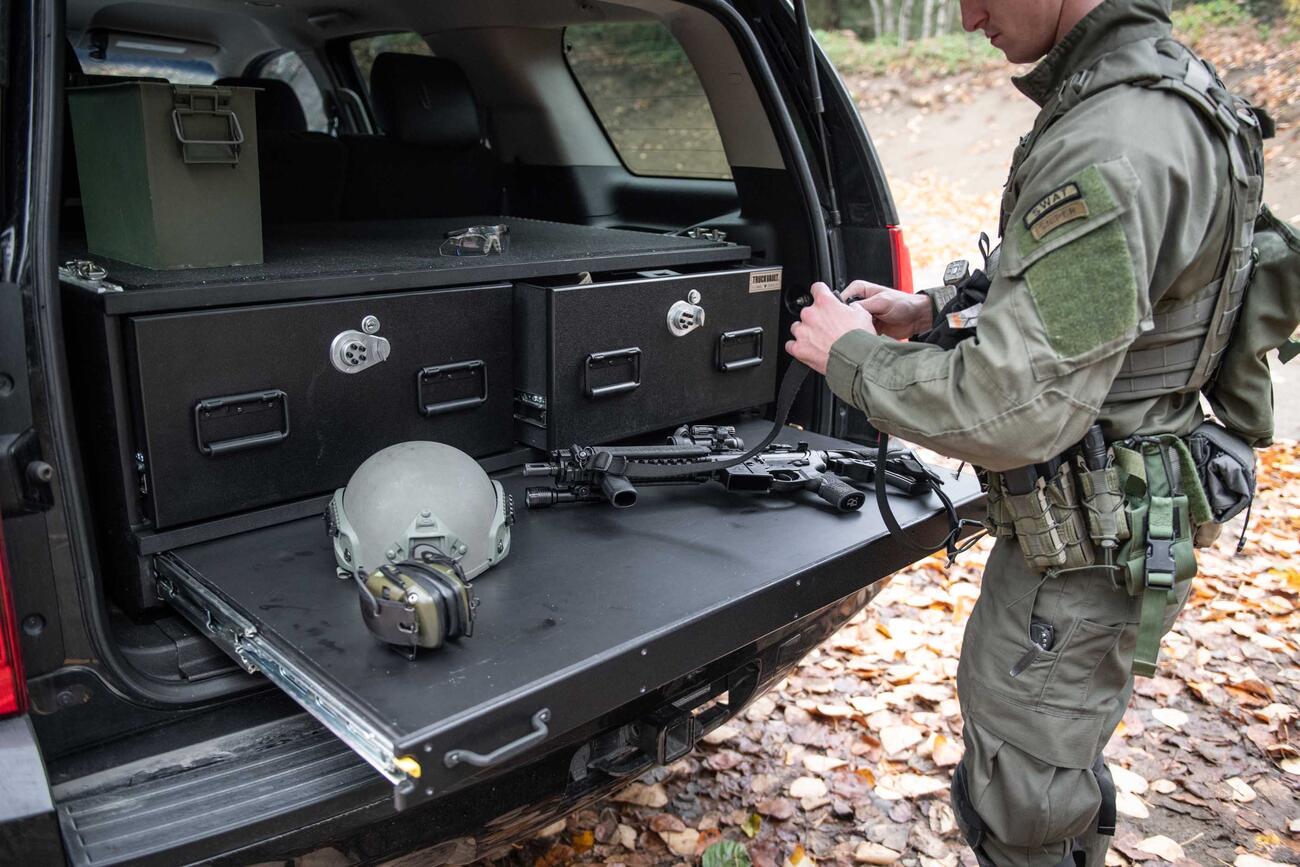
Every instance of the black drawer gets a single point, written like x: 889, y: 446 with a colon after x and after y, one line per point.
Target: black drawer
x: 599, y: 362
x: 245, y: 407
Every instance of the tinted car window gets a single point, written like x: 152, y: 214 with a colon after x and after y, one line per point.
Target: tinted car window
x: 364, y: 51
x: 648, y: 98
x: 289, y: 68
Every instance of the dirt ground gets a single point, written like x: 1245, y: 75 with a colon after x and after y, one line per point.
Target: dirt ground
x: 849, y: 760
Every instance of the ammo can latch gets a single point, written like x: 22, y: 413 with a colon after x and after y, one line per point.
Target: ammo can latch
x: 205, y: 125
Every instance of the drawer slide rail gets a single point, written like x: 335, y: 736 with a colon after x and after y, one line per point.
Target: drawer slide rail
x: 242, y: 640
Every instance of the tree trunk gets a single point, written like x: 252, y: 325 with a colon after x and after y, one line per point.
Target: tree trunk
x: 927, y: 19
x: 878, y: 18
x: 941, y: 17
x: 904, y: 20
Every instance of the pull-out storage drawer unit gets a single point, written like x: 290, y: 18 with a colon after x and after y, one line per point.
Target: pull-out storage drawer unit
x: 245, y: 407
x: 215, y: 401
x: 598, y: 362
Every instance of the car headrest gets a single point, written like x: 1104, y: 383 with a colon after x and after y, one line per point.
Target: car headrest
x: 424, y: 101
x: 278, y: 107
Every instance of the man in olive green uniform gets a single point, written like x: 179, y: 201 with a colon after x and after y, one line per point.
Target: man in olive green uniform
x: 1116, y: 218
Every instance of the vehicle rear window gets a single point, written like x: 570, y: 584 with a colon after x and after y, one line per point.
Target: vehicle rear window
x: 289, y: 68
x: 364, y: 51
x: 648, y: 98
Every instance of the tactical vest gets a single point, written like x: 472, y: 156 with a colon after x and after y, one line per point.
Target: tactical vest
x: 1182, y: 350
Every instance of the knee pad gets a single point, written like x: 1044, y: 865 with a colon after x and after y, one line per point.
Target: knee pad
x: 974, y: 831
x: 968, y: 821
x: 1020, y: 812
x: 1106, y: 813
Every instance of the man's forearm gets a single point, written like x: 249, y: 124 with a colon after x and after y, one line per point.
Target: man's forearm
x: 956, y: 403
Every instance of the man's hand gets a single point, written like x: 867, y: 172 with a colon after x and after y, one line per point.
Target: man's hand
x: 896, y: 314
x: 821, y: 324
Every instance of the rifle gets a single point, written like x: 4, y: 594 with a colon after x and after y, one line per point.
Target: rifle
x: 608, y: 473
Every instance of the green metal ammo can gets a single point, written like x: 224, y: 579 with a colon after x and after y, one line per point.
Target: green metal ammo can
x: 169, y: 173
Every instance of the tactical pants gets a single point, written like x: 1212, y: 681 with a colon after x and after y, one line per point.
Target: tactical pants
x: 1032, y: 739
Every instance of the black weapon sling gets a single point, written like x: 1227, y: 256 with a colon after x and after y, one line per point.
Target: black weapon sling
x: 795, y: 376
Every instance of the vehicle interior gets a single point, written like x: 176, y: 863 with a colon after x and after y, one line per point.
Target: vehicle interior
x: 519, y: 132
x: 625, y: 143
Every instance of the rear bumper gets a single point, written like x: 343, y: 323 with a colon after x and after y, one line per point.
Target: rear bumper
x: 289, y: 787
x: 29, y: 833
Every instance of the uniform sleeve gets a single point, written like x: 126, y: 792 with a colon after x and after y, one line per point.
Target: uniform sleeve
x: 1096, y: 218
x: 939, y: 297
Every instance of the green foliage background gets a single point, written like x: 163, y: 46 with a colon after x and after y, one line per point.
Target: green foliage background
x: 648, y: 97
x: 859, y: 16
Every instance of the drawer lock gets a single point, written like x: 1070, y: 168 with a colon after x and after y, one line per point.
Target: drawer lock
x: 686, y: 316
x: 354, y: 351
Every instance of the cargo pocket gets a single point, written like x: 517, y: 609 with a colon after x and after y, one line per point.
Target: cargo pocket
x: 998, y: 640
x: 1089, y: 669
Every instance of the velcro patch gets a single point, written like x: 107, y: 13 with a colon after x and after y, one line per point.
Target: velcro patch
x: 1050, y: 204
x: 1086, y: 291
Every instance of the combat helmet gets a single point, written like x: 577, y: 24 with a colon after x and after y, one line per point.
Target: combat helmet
x: 413, y: 526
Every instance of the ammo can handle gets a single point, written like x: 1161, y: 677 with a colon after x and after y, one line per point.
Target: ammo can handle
x: 509, y: 751
x: 233, y: 141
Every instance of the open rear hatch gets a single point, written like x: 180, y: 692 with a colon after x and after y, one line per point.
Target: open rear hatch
x: 594, y: 608
x: 227, y: 403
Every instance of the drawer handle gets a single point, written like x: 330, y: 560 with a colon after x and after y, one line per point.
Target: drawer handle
x: 630, y: 358
x: 235, y: 404
x: 500, y: 754
x: 754, y: 336
x: 430, y: 378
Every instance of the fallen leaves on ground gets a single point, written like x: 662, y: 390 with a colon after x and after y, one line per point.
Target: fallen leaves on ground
x: 1264, y: 70
x: 1162, y: 847
x: 643, y: 795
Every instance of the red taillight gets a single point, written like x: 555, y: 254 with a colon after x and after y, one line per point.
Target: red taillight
x: 902, y: 260
x: 13, y: 691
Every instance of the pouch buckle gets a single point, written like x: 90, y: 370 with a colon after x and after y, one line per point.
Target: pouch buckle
x: 1160, y: 563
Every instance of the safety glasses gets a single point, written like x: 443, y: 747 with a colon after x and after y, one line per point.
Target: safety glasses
x: 476, y: 241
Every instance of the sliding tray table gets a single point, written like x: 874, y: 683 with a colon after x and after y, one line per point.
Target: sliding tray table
x: 593, y: 608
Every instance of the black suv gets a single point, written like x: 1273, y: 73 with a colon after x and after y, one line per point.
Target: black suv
x: 245, y: 246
